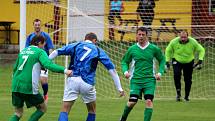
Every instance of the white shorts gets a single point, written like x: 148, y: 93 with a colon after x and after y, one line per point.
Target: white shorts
x: 44, y: 73
x: 75, y: 86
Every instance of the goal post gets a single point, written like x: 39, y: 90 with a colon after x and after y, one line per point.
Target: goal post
x: 69, y: 20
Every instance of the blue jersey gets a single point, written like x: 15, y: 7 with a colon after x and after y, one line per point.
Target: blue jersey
x: 49, y: 45
x: 84, y: 59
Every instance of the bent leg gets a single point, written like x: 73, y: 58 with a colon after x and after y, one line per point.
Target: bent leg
x: 149, y: 107
x: 41, y: 109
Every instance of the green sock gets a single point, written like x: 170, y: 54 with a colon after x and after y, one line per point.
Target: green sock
x: 148, y: 114
x: 14, y: 118
x: 36, y: 115
x: 126, y: 112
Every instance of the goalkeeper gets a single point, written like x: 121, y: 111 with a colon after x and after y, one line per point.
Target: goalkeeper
x: 182, y: 51
x: 25, y: 82
x: 143, y: 80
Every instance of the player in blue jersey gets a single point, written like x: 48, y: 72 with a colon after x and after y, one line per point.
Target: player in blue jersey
x: 48, y: 48
x: 84, y: 59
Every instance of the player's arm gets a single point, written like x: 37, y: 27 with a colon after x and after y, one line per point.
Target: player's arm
x: 66, y: 50
x: 45, y: 62
x: 49, y: 42
x: 27, y: 42
x: 201, y: 51
x: 15, y: 66
x: 105, y: 60
x: 161, y: 59
x: 126, y: 60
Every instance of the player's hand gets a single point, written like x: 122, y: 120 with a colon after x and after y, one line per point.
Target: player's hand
x: 158, y: 76
x: 127, y: 75
x: 198, y: 65
x: 69, y: 73
x: 121, y: 93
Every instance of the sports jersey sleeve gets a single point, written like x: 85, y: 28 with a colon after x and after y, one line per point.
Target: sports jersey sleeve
x: 201, y: 51
x: 105, y: 60
x: 27, y: 43
x: 66, y: 50
x: 126, y: 61
x: 45, y: 62
x: 16, y: 65
x: 169, y: 51
x: 161, y: 59
x: 49, y: 42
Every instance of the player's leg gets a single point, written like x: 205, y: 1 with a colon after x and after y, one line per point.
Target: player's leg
x: 149, y: 107
x: 135, y: 92
x: 177, y: 68
x: 149, y: 90
x: 18, y: 104
x: 71, y: 91
x: 44, y: 83
x: 88, y: 93
x: 18, y: 114
x: 91, y: 107
x: 187, y: 72
x: 38, y: 102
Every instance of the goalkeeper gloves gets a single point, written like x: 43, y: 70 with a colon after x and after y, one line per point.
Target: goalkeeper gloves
x: 198, y: 65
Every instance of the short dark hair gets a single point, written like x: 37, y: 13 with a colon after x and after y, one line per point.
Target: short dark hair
x: 37, y: 39
x: 143, y: 29
x: 36, y: 20
x: 90, y: 36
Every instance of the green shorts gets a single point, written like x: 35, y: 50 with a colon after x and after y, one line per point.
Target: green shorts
x: 30, y: 100
x: 145, y: 86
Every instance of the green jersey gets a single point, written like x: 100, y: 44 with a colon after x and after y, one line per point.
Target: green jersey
x: 26, y: 71
x: 143, y: 58
x: 184, y: 53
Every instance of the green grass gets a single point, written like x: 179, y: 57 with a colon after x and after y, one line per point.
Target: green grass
x: 110, y: 107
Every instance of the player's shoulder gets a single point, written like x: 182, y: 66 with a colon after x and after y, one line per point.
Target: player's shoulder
x: 153, y: 46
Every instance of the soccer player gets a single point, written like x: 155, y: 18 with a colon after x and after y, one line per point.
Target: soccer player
x: 25, y: 82
x: 182, y: 52
x: 48, y: 48
x: 143, y: 77
x: 84, y: 59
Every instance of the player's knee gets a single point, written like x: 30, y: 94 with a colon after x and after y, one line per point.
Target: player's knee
x: 132, y: 100
x: 42, y: 107
x: 149, y: 100
x: 19, y: 113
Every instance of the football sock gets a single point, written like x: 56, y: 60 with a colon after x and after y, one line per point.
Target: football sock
x: 45, y: 88
x: 126, y: 112
x: 14, y: 118
x: 63, y: 116
x: 91, y: 117
x: 148, y: 114
x: 36, y: 115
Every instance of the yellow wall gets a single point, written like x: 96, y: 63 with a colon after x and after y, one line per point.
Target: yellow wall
x: 9, y: 12
x: 180, y: 9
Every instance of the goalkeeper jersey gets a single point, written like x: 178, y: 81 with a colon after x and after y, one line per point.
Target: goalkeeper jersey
x: 143, y: 59
x: 184, y: 53
x: 26, y: 71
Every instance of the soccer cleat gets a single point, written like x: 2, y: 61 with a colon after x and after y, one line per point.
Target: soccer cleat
x: 46, y: 98
x: 178, y: 98
x: 122, y: 119
x: 186, y: 99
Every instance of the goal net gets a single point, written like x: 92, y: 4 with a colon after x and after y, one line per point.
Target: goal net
x: 69, y: 21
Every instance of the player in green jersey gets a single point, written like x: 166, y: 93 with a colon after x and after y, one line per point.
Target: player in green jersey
x: 182, y: 52
x: 26, y: 74
x: 143, y: 76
